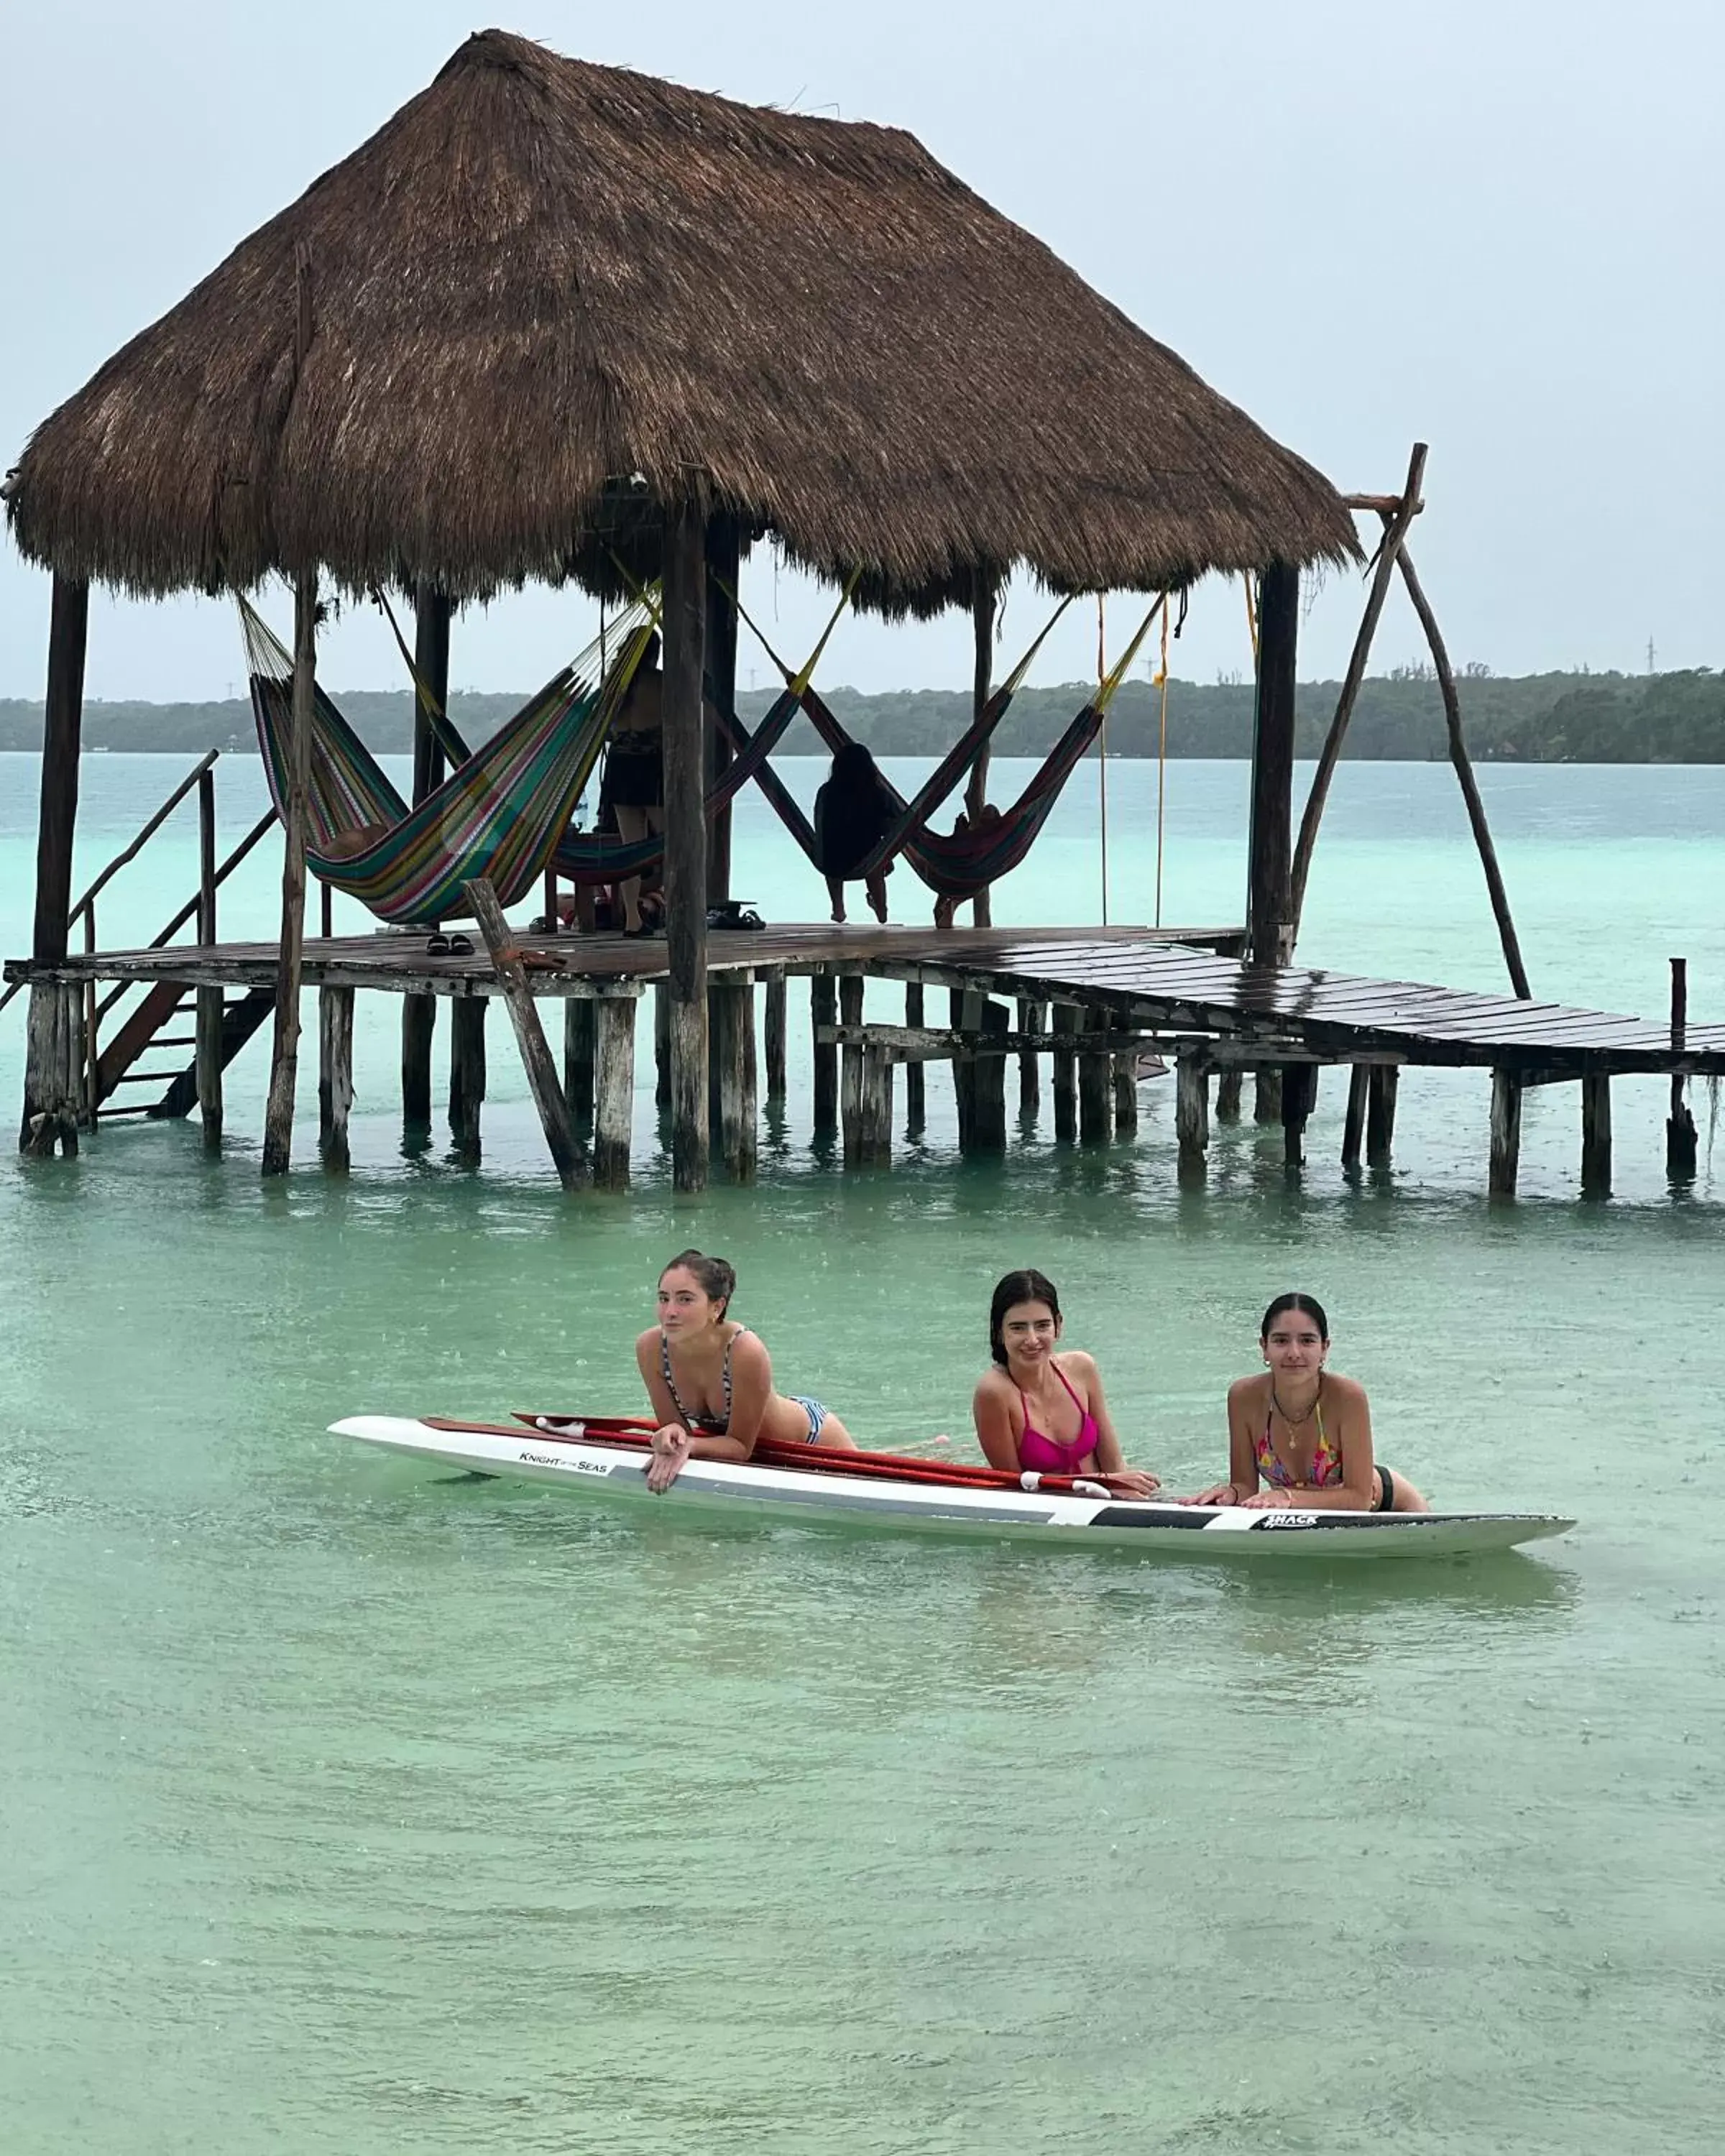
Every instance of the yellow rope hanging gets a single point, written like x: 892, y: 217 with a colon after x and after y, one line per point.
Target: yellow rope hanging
x: 1246, y: 579
x: 1162, y: 759
x: 1102, y: 740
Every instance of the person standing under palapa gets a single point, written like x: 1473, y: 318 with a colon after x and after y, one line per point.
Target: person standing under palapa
x: 632, y: 789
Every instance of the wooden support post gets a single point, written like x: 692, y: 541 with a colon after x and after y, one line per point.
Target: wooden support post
x: 467, y: 1072
x: 1381, y: 1089
x: 1596, y: 1134
x: 1266, y: 1093
x: 1228, y: 1092
x: 419, y: 1013
x: 915, y: 1094
x: 680, y: 703
x: 1126, y: 1095
x: 723, y: 550
x: 529, y: 1033
x: 581, y: 1034
x: 735, y: 1107
x: 986, y: 599
x: 662, y: 1045
x: 44, y: 1052
x: 1681, y: 1146
x: 1064, y: 1073
x: 988, y: 1097
x: 207, y: 1028
x: 418, y: 1022
x: 54, y: 1048
x: 335, y: 1073
x: 1269, y: 899
x: 850, y: 1012
x: 774, y: 1029
x: 1353, y: 1127
x: 1032, y: 1018
x: 964, y: 1012
x: 285, y: 1050
x: 1506, y: 1132
x: 1192, y: 1112
x: 876, y: 1108
x: 1395, y: 531
x: 1299, y: 1097
x: 614, y: 1105
x: 1095, y: 1087
x: 824, y: 1011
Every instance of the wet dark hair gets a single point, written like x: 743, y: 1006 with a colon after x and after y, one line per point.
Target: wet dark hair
x: 1027, y: 1285
x: 717, y: 1276
x: 649, y: 657
x: 1307, y: 1306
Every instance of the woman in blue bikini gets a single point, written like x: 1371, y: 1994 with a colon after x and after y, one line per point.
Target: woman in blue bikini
x: 710, y: 1379
x: 1301, y: 1431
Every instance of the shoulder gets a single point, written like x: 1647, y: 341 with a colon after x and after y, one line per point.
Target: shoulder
x: 1244, y: 1391
x: 995, y: 1385
x: 647, y: 1343
x: 1077, y: 1364
x: 748, y: 1350
x: 1344, y: 1392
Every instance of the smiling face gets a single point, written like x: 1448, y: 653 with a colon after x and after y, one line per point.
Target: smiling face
x: 684, y: 1306
x: 1294, y: 1346
x: 1029, y: 1331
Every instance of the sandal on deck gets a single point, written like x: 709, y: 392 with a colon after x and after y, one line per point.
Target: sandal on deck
x: 461, y: 946
x: 437, y: 947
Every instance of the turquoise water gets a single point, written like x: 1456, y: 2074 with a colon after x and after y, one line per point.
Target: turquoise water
x: 352, y: 1807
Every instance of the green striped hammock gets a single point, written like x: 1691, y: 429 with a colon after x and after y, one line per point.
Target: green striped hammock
x: 500, y: 815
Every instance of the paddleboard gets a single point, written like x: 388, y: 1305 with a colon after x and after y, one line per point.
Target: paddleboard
x: 605, y: 1457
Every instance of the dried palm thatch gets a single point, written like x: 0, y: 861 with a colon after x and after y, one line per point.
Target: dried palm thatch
x: 548, y: 296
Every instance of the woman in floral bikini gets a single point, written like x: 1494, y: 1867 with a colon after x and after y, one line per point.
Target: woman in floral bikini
x: 1301, y: 1430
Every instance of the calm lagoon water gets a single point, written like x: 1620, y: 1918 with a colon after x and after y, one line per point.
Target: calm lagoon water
x: 346, y: 1807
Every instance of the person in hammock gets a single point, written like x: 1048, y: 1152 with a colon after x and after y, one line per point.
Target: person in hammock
x: 853, y: 811
x: 947, y: 904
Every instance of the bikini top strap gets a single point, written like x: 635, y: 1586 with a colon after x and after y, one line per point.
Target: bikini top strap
x: 1070, y: 1394
x: 670, y: 1383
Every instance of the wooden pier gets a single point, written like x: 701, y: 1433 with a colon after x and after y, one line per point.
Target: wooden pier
x: 1093, y: 1001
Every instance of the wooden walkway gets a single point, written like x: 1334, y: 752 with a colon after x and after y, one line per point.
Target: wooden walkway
x: 1159, y: 982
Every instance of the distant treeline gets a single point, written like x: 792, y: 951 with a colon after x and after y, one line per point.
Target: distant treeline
x: 1537, y: 718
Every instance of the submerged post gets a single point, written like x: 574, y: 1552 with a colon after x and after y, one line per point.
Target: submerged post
x: 1596, y: 1134
x: 851, y: 1013
x: 46, y: 1107
x: 1506, y: 1132
x: 1381, y: 1089
x: 915, y: 1093
x: 285, y: 1051
x: 1095, y: 1085
x: 1063, y: 1065
x: 1032, y: 1019
x: 1269, y: 873
x: 467, y: 1072
x: 735, y: 1117
x: 1299, y: 1097
x: 685, y: 837
x: 335, y: 1074
x: 772, y: 1028
x: 580, y: 1052
x: 988, y: 1097
x: 1192, y: 1114
x: 613, y: 1109
x: 529, y: 1033
x: 1354, y: 1125
x: 823, y: 1013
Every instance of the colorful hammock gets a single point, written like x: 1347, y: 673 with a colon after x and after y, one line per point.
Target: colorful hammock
x: 910, y: 817
x: 959, y: 864
x: 500, y: 815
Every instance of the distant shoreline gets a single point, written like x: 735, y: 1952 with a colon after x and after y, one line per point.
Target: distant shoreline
x: 1543, y: 718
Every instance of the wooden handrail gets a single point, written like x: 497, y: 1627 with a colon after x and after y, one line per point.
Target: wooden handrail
x: 166, y: 936
x: 130, y: 852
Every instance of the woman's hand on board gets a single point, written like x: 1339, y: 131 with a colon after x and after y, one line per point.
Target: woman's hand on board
x: 671, y: 1445
x: 1268, y: 1500
x: 1130, y: 1482
x: 1219, y: 1493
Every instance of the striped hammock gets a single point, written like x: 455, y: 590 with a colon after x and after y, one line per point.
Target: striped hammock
x: 500, y: 814
x: 961, y: 863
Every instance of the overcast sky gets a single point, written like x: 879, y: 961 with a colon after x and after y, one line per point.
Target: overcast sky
x: 1493, y: 226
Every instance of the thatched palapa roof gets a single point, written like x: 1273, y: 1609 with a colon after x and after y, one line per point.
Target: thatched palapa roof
x: 544, y: 284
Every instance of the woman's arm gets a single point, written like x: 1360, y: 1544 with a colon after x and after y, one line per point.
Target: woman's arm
x: 1110, y: 1460
x: 1242, y: 1481
x: 991, y: 1410
x: 750, y: 1389
x: 1351, y: 1420
x: 673, y: 1442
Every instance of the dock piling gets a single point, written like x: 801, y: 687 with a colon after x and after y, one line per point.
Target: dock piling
x: 1032, y: 1019
x: 467, y: 1072
x: 614, y: 1095
x: 581, y: 1038
x: 987, y: 1082
x: 914, y: 1087
x: 1596, y: 1134
x: 1228, y: 1092
x: 823, y: 1014
x: 1506, y: 1132
x: 335, y: 1073
x: 850, y: 1012
x: 1381, y: 1089
x: 735, y: 1107
x: 529, y: 1035
x: 1192, y: 1114
x: 1353, y: 1123
x: 1063, y: 1066
x: 772, y: 1027
x: 1095, y: 1085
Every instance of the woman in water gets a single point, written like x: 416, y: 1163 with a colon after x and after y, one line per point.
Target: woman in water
x: 1303, y: 1430
x: 710, y: 1379
x: 1041, y: 1411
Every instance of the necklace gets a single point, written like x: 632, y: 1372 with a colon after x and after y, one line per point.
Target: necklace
x: 1294, y: 1422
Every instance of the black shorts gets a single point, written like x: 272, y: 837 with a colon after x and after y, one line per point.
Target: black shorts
x: 634, y: 779
x: 1386, y: 1491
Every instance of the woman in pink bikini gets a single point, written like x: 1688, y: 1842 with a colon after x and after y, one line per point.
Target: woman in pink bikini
x: 1301, y: 1431
x: 1041, y: 1412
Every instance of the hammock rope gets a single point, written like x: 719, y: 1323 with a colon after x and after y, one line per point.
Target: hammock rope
x: 499, y: 815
